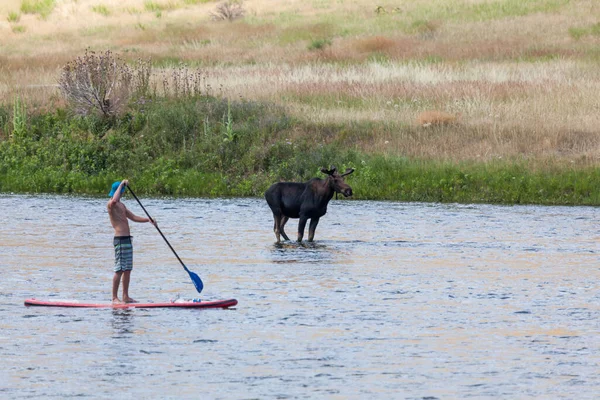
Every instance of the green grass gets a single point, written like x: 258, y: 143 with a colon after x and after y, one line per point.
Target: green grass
x: 167, y: 62
x: 579, y: 32
x: 512, y: 8
x: 319, y: 44
x: 42, y: 7
x: 299, y: 33
x: 420, y: 17
x: 155, y: 7
x: 18, y: 28
x: 13, y: 17
x: 133, y: 11
x: 495, y: 182
x: 329, y: 100
x: 321, y: 4
x: 102, y: 10
x: 538, y: 54
x: 459, y: 11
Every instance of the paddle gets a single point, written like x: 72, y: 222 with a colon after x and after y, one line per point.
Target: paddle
x: 195, y: 278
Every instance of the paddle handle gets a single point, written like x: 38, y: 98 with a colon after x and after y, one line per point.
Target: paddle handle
x: 157, y: 228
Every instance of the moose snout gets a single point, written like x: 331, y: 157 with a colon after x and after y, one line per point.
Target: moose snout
x: 347, y: 192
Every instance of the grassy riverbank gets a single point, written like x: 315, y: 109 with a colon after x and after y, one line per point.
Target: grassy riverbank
x: 430, y: 100
x: 205, y: 146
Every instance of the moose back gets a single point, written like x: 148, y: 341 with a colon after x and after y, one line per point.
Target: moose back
x: 306, y: 201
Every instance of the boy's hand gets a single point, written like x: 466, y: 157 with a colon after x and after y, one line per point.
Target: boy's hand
x: 153, y: 221
x: 125, y: 182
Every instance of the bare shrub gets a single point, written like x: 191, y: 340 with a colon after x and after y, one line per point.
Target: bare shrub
x: 102, y: 83
x: 228, y: 11
x: 182, y: 82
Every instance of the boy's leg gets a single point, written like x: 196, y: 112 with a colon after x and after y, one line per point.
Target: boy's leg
x: 126, y: 297
x: 115, y: 286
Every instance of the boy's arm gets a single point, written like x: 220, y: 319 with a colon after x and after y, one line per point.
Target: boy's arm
x: 117, y: 196
x: 136, y: 218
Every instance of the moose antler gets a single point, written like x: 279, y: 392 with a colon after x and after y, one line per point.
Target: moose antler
x: 329, y: 171
x: 348, y: 171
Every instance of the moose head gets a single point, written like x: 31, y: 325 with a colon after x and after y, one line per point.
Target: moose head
x: 336, y: 180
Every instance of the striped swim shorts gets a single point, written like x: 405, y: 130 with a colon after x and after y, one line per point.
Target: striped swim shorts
x: 123, y: 253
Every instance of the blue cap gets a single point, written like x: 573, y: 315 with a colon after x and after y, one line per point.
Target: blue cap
x: 114, y: 188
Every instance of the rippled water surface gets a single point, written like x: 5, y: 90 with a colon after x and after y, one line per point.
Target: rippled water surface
x: 392, y: 301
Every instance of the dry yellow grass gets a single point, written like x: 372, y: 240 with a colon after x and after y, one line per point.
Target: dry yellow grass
x: 435, y: 118
x: 522, y: 85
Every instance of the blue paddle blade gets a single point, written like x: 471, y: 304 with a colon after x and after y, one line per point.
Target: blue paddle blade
x: 195, y: 278
x: 197, y: 281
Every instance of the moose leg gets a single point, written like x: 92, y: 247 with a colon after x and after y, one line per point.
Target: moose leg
x: 282, y: 223
x: 301, y: 226
x: 277, y: 227
x: 311, y: 228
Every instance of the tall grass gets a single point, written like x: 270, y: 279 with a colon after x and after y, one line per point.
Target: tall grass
x: 511, y: 111
x: 19, y: 119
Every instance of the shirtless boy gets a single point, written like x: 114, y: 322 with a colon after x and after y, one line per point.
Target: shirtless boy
x: 119, y: 214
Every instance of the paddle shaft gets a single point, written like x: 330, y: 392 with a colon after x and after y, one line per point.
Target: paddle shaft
x: 157, y: 228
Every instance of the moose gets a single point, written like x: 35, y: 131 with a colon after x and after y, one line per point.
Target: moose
x: 306, y: 200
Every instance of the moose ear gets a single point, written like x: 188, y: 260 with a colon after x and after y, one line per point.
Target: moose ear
x: 348, y: 171
x: 325, y: 171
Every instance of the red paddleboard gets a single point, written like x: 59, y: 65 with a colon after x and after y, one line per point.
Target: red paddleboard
x: 76, y: 304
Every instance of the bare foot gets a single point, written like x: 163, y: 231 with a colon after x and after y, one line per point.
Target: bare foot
x: 117, y: 301
x: 129, y: 300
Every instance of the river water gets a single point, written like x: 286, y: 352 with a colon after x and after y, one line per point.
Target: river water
x: 392, y: 301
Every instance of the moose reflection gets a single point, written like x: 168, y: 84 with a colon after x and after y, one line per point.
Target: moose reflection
x: 306, y: 200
